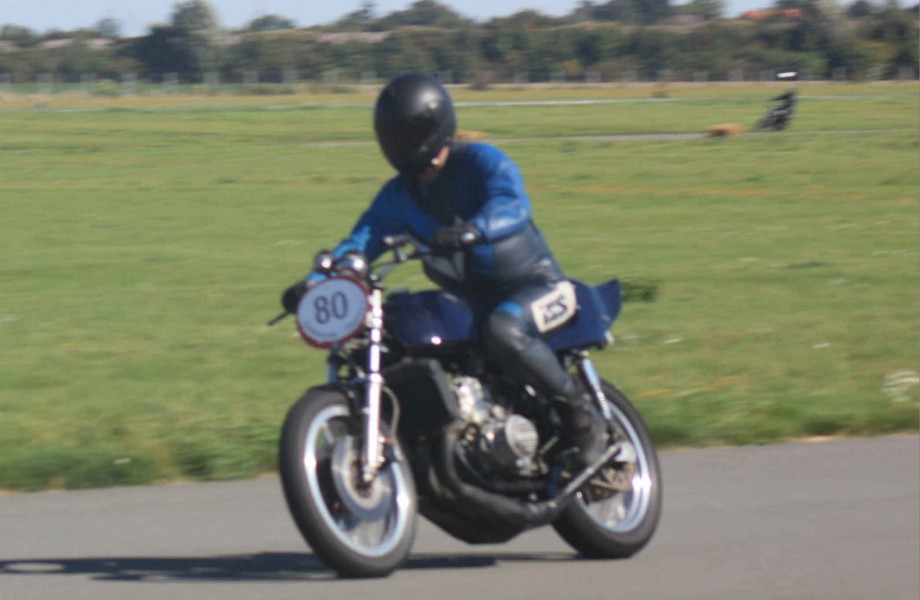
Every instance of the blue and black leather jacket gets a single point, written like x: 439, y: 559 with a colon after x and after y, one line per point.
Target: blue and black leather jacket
x: 481, y: 186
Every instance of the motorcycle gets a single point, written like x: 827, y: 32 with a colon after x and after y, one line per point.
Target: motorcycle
x: 779, y: 116
x: 413, y: 420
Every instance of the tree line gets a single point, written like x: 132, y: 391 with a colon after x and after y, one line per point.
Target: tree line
x: 610, y: 41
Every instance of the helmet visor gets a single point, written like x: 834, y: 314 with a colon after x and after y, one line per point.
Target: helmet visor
x: 405, y: 142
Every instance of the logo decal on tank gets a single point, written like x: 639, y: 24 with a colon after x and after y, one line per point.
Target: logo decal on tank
x: 555, y: 308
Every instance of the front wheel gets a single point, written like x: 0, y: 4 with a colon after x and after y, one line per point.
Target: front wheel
x: 615, y: 515
x: 358, y: 530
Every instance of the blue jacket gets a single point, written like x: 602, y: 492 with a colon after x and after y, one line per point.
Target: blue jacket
x: 479, y: 185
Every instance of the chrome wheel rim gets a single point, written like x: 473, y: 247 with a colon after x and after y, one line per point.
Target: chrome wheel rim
x: 624, y: 511
x: 369, y: 521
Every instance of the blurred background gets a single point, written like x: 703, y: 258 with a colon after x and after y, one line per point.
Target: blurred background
x: 167, y: 169
x: 105, y: 47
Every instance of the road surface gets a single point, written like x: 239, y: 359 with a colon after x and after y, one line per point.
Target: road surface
x: 835, y: 520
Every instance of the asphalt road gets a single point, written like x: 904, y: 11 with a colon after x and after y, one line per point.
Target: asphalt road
x: 830, y: 520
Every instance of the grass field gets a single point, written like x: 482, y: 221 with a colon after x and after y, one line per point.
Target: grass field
x: 145, y: 242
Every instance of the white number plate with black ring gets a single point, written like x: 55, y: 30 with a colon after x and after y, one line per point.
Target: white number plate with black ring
x: 332, y: 311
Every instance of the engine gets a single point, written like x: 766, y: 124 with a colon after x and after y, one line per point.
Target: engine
x: 496, y: 440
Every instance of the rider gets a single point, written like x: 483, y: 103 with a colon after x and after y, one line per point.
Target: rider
x: 788, y: 102
x: 466, y: 202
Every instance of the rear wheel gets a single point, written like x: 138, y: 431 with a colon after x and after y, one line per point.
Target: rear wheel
x: 616, y: 514
x: 359, y: 530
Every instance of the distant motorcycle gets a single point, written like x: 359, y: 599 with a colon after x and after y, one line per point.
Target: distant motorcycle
x: 779, y: 116
x: 414, y: 420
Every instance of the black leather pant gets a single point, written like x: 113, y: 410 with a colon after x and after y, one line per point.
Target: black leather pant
x: 514, y: 342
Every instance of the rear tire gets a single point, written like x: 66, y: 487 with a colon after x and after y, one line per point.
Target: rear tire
x: 620, y: 524
x: 358, y: 531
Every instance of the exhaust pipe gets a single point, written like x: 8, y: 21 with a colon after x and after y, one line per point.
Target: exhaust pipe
x: 525, y: 515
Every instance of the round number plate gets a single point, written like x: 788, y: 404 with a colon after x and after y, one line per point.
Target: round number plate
x: 332, y: 311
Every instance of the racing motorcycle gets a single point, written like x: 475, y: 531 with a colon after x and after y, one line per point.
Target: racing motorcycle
x: 779, y: 116
x: 414, y: 420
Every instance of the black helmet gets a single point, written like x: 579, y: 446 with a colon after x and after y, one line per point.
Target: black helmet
x: 414, y: 119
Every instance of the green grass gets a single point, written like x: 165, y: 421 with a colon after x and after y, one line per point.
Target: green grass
x: 145, y: 243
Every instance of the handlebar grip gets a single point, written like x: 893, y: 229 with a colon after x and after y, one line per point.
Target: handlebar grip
x: 396, y: 241
x: 468, y: 238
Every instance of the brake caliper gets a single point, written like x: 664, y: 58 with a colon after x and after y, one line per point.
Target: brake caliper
x: 616, y: 477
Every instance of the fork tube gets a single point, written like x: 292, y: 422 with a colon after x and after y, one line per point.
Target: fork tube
x: 373, y: 388
x: 590, y: 377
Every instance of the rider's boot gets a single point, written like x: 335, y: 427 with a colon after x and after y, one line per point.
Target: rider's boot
x: 584, y: 427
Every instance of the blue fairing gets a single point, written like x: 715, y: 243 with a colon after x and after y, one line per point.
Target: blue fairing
x: 430, y: 318
x: 435, y: 317
x: 598, y: 307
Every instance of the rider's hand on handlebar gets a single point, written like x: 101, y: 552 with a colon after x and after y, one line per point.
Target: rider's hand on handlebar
x: 447, y: 240
x: 291, y: 296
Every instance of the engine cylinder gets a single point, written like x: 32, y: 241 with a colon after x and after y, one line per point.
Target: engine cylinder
x: 509, y: 442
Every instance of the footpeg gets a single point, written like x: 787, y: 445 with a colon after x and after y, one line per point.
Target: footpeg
x: 592, y: 469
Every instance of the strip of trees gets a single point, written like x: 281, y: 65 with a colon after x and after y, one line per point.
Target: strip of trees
x: 612, y: 41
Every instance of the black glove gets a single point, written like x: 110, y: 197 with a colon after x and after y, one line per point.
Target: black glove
x: 447, y: 240
x: 291, y: 296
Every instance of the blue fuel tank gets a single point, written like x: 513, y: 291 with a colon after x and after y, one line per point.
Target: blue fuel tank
x: 435, y: 318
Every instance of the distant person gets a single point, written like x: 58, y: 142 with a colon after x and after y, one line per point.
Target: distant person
x: 788, y: 101
x: 466, y: 203
x: 779, y: 116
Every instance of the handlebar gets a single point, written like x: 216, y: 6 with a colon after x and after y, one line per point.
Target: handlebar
x: 397, y: 243
x: 278, y: 319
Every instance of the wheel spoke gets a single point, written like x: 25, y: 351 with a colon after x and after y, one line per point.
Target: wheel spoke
x: 327, y: 437
x: 349, y: 514
x: 626, y: 508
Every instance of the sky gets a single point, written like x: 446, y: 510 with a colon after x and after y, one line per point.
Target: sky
x: 136, y: 16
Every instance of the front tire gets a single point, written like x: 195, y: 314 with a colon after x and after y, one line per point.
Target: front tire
x: 360, y: 531
x: 601, y: 524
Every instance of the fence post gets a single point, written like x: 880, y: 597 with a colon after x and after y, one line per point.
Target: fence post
x: 86, y: 81
x: 170, y: 83
x: 129, y: 83
x: 44, y: 83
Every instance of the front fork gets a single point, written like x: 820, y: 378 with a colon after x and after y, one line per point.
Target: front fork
x: 593, y: 381
x: 371, y: 440
x: 372, y: 451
